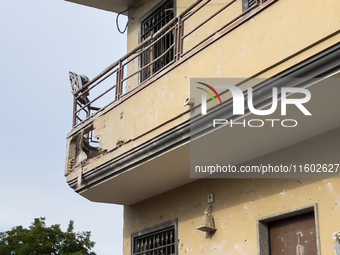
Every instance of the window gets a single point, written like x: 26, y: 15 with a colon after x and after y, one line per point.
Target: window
x: 246, y: 4
x: 162, y: 51
x: 289, y: 233
x: 161, y: 239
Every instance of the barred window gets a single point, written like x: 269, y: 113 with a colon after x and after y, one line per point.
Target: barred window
x: 161, y: 239
x: 246, y: 4
x: 162, y: 51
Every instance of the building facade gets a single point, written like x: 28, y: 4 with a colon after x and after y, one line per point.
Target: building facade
x: 137, y: 125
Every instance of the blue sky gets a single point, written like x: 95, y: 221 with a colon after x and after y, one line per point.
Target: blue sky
x: 40, y: 42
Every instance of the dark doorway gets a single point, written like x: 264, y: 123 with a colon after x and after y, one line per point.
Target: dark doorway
x: 293, y: 235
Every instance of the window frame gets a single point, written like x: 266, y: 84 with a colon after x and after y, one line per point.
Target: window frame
x: 145, y: 17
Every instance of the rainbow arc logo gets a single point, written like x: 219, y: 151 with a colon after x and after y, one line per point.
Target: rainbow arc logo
x: 204, y: 106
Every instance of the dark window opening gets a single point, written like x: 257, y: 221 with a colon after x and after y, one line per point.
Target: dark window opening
x: 161, y: 52
x: 161, y: 239
x: 246, y: 4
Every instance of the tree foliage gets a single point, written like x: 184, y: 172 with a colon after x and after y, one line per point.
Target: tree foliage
x: 39, y: 239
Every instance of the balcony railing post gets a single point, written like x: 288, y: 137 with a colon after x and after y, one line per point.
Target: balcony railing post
x: 119, y: 80
x: 74, y: 110
x: 176, y: 43
x: 182, y: 33
x: 120, y: 77
x: 180, y: 36
x: 151, y: 54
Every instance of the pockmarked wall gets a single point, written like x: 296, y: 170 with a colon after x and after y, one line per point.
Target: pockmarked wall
x: 240, y: 203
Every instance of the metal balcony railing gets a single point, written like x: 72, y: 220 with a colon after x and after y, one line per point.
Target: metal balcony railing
x: 107, y: 88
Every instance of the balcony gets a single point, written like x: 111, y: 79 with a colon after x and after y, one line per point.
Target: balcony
x: 130, y: 136
x: 190, y: 36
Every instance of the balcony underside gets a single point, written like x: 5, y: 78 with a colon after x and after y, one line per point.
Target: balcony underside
x: 162, y: 163
x: 107, y: 5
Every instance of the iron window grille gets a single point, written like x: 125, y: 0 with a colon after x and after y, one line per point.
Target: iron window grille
x: 246, y: 4
x: 161, y: 239
x: 161, y: 51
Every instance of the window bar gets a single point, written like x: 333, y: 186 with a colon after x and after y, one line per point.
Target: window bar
x: 151, y: 245
x: 166, y: 242
x: 141, y: 245
x: 171, y: 237
x: 162, y: 244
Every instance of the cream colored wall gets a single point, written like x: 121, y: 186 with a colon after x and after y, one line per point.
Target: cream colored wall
x: 239, y: 203
x: 272, y: 36
x: 279, y: 37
